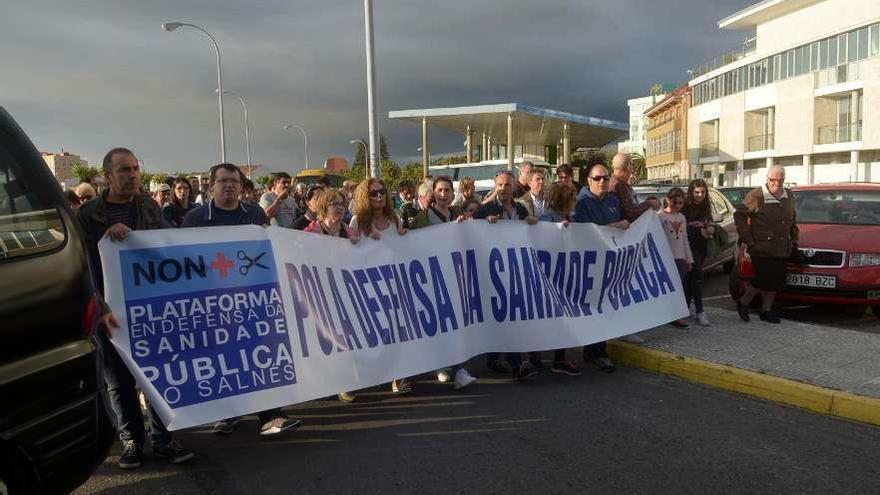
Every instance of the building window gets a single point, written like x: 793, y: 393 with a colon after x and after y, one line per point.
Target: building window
x: 863, y: 44
x: 875, y: 40
x: 823, y: 54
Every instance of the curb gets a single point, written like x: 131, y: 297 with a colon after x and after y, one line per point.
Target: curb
x: 817, y: 399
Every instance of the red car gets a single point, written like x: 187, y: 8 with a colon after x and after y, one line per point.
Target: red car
x: 840, y: 247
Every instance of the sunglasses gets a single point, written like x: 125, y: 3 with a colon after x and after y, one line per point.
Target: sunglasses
x: 378, y: 192
x: 603, y: 178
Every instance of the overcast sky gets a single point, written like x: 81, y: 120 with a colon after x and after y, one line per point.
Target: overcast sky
x: 88, y: 75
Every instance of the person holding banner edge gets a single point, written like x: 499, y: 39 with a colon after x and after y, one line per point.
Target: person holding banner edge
x: 118, y: 211
x: 225, y: 209
x: 599, y: 206
x: 441, y: 211
x: 503, y: 207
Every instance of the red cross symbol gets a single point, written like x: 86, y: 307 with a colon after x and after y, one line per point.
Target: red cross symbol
x: 222, y: 265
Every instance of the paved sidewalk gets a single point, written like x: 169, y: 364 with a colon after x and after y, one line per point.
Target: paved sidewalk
x: 769, y: 361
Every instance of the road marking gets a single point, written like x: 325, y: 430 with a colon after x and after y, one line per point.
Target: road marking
x: 715, y: 298
x: 453, y: 432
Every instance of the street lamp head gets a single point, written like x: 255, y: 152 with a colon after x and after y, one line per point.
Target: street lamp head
x: 171, y: 26
x: 288, y: 126
x: 354, y: 141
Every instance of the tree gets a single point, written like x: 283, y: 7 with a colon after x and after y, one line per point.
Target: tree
x: 146, y: 179
x: 641, y: 170
x: 85, y: 173
x: 264, y: 180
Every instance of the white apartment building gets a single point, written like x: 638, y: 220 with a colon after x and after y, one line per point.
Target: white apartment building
x: 803, y: 93
x: 638, y: 124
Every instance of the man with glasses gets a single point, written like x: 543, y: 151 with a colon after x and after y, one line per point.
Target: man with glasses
x: 621, y: 185
x: 503, y: 207
x: 278, y: 203
x: 601, y: 207
x: 225, y: 209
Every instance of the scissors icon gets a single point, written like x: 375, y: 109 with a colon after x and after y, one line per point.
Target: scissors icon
x: 244, y: 269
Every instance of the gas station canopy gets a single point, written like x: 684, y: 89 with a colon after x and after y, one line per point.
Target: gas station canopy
x: 530, y: 125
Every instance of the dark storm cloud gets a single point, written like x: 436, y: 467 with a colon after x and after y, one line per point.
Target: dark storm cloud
x: 90, y: 74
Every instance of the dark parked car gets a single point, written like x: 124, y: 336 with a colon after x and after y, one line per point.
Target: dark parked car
x: 735, y: 194
x: 722, y: 213
x: 54, y: 427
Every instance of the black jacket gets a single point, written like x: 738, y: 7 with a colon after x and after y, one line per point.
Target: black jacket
x: 92, y: 218
x: 495, y: 208
x: 203, y: 216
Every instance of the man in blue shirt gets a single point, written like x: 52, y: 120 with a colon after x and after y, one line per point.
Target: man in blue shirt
x: 225, y: 208
x: 600, y: 207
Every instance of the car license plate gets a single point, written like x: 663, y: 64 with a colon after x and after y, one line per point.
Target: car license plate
x: 810, y: 280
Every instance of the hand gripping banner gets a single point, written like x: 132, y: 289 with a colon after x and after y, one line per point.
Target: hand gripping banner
x: 220, y: 322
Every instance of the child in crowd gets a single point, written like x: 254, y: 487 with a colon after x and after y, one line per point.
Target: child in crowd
x: 675, y: 227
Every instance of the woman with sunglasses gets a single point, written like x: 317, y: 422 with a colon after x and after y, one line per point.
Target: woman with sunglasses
x: 438, y: 212
x: 180, y: 204
x: 698, y: 213
x: 675, y: 227
x: 329, y: 208
x: 374, y: 217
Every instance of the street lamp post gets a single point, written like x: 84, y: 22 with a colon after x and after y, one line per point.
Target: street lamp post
x: 366, y: 156
x: 247, y: 128
x: 371, y: 85
x: 171, y: 26
x: 305, y: 137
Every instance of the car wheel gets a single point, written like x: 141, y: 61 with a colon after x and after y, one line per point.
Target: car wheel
x: 729, y: 266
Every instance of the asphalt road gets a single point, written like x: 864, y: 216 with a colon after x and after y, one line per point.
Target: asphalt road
x: 628, y: 432
x: 861, y: 319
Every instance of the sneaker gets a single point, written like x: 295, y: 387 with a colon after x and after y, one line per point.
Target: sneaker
x: 463, y: 379
x: 132, y: 456
x: 443, y: 376
x: 633, y: 339
x: 225, y: 426
x: 345, y: 397
x: 500, y: 367
x: 693, y: 309
x: 769, y: 317
x: 525, y: 371
x: 565, y: 368
x: 401, y: 386
x: 173, y: 453
x: 743, y: 311
x: 604, y: 364
x: 702, y: 319
x: 679, y: 324
x: 279, y: 424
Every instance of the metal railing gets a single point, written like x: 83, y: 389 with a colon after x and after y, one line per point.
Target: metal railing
x: 837, y: 74
x: 709, y: 149
x: 748, y: 47
x: 831, y: 134
x: 759, y: 142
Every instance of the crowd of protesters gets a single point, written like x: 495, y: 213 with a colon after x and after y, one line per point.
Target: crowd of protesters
x: 370, y: 212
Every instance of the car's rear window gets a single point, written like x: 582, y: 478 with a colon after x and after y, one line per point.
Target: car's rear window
x: 28, y: 224
x: 838, y: 207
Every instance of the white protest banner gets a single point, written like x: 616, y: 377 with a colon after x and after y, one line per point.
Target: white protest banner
x: 220, y: 322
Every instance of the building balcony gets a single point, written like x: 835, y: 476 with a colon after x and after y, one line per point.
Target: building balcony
x: 832, y: 134
x: 708, y: 149
x: 730, y: 57
x: 759, y: 142
x: 837, y: 75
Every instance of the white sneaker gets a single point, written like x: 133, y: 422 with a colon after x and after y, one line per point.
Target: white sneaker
x: 463, y: 379
x: 443, y: 375
x: 702, y: 319
x: 693, y: 309
x: 633, y: 339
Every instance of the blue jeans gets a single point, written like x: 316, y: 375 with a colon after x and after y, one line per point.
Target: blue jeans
x: 123, y: 398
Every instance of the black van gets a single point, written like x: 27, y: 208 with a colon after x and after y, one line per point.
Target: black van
x: 54, y: 427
